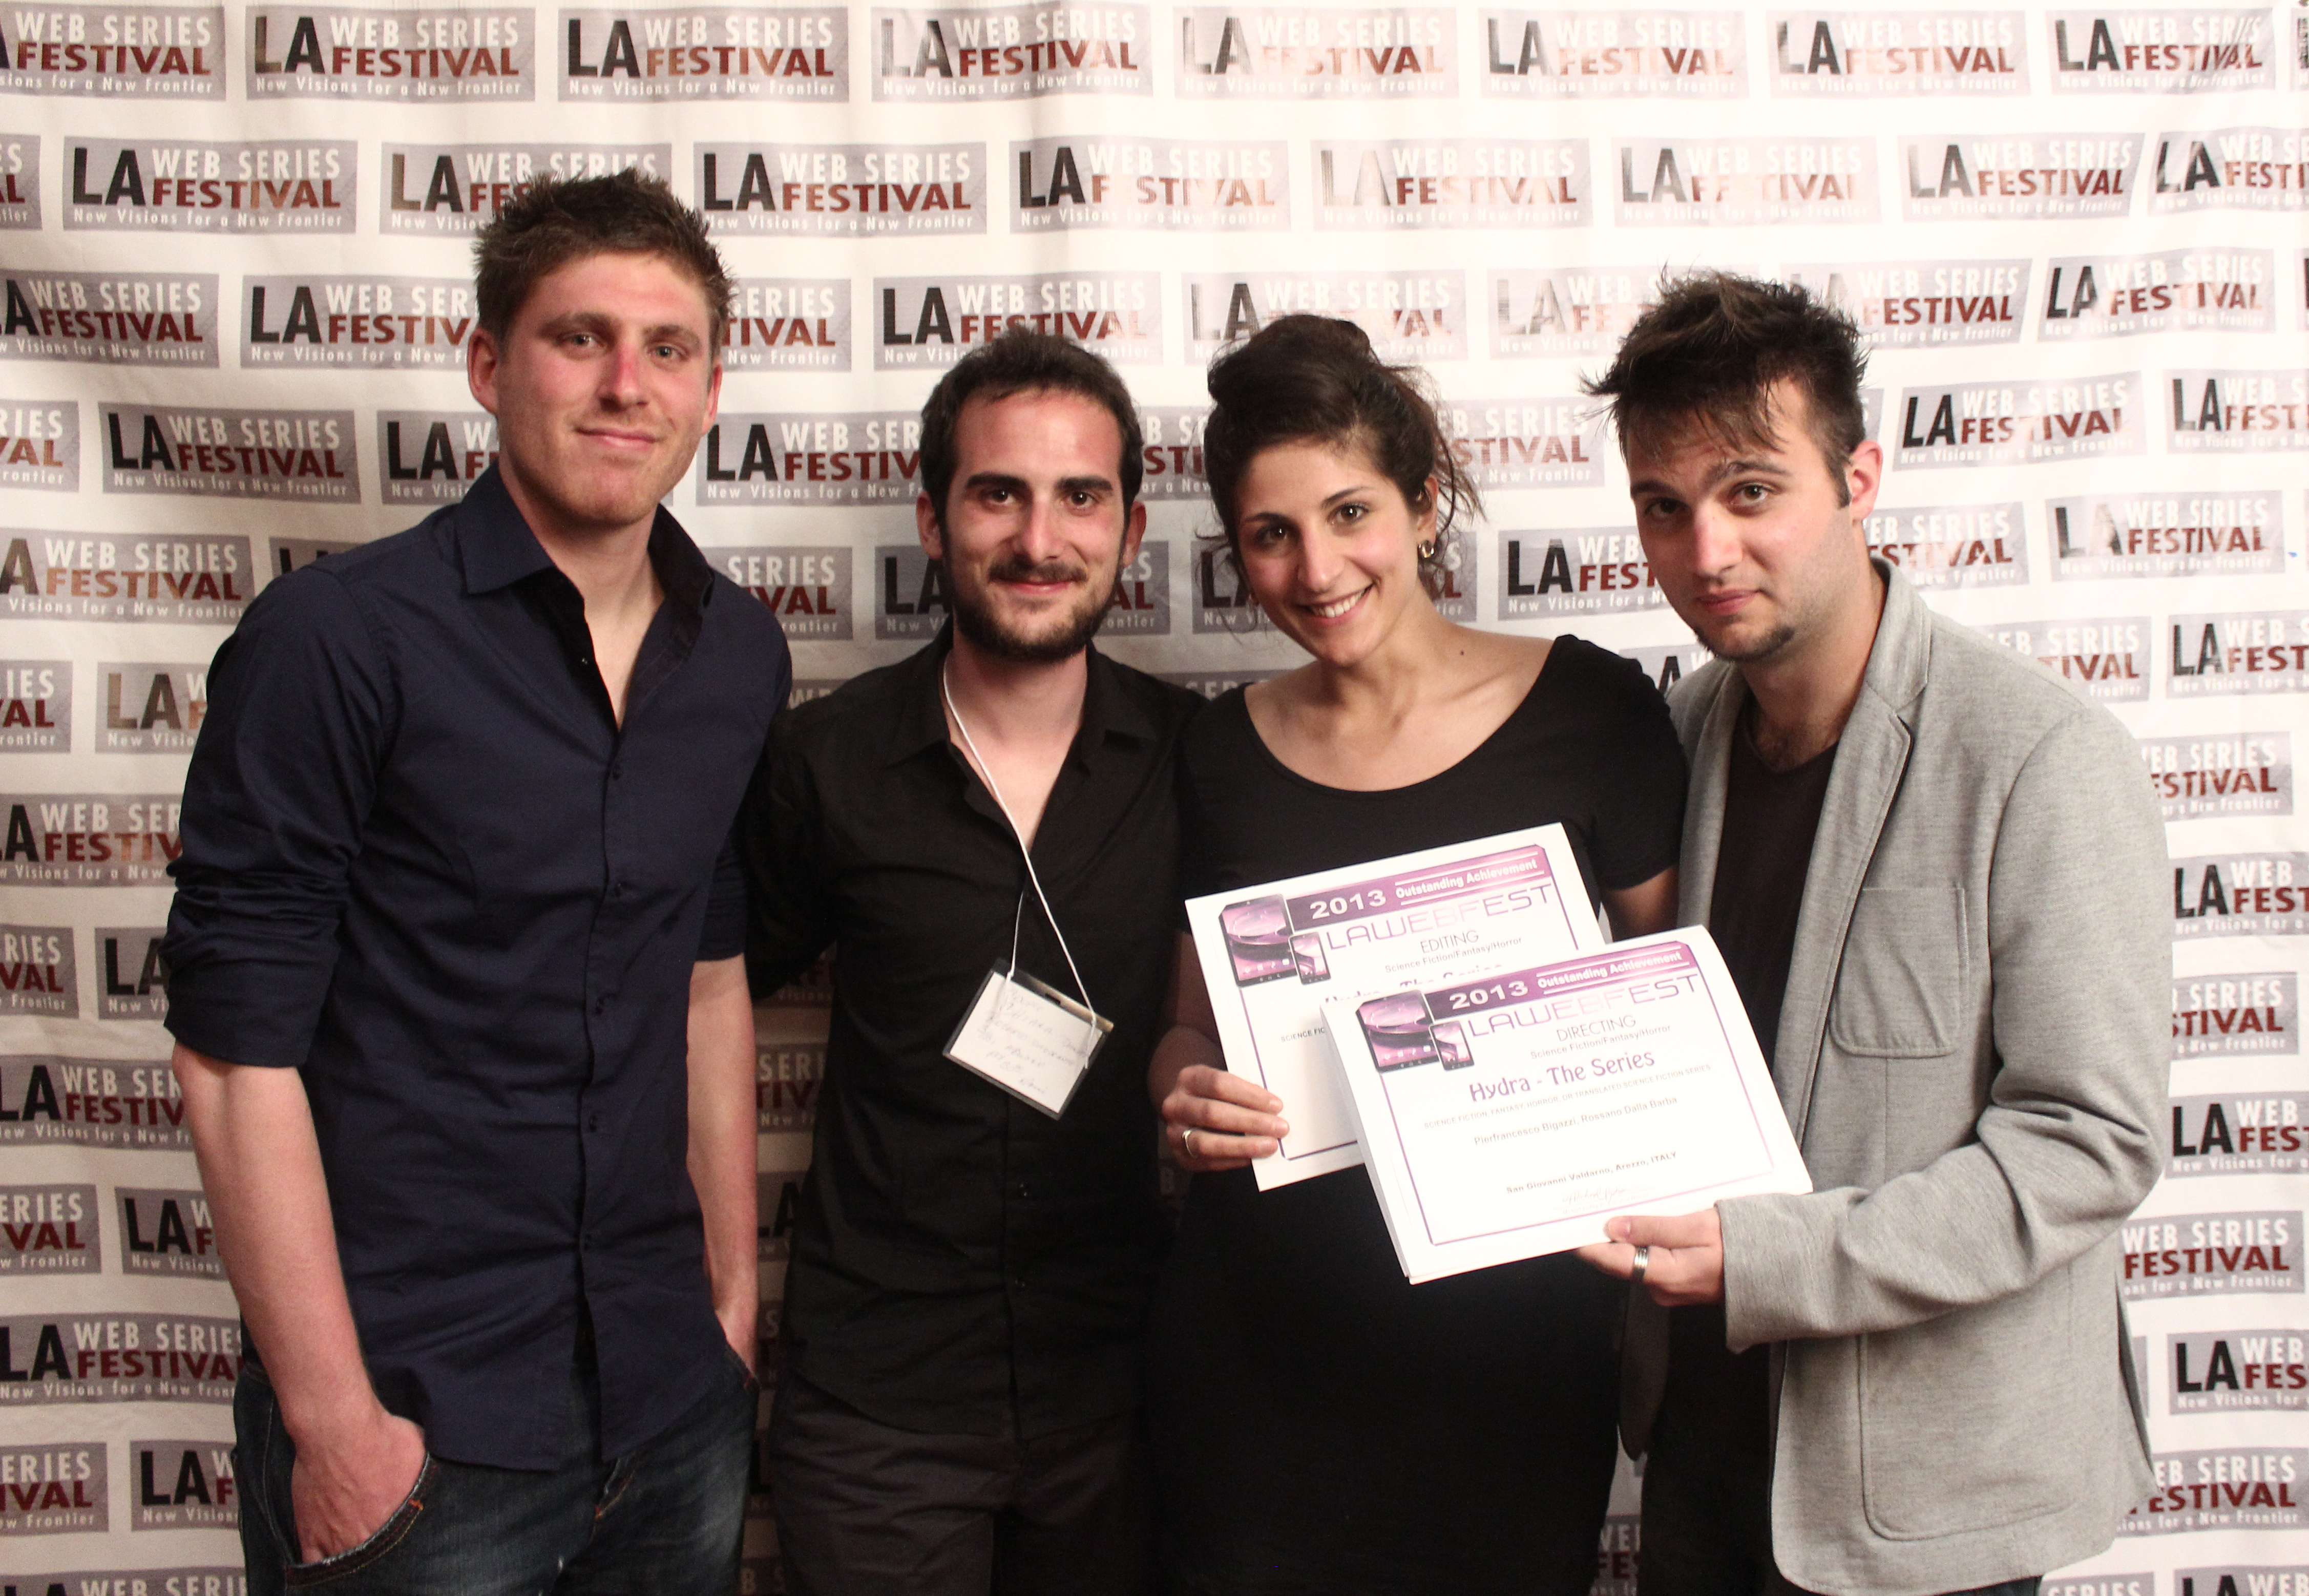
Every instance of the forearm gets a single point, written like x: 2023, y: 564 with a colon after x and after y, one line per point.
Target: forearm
x: 260, y: 1167
x: 1193, y: 1037
x: 1643, y: 908
x: 1180, y: 1046
x: 722, y: 1139
x: 1952, y: 1236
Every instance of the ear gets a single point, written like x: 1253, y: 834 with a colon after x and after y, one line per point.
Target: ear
x: 1423, y: 521
x: 927, y: 528
x: 712, y: 395
x: 1862, y: 476
x: 1134, y: 530
x: 482, y: 358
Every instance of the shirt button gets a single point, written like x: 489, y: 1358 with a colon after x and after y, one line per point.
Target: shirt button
x: 617, y: 889
x: 1022, y: 1192
x: 1018, y: 1284
x: 592, y: 1122
x: 601, y: 1005
x: 618, y: 770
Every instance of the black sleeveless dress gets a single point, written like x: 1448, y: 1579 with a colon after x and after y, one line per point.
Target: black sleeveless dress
x: 1320, y: 1425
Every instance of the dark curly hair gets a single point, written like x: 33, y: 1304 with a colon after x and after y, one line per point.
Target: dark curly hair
x: 1708, y: 354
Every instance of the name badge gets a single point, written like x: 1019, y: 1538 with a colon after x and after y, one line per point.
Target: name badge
x: 1029, y: 1039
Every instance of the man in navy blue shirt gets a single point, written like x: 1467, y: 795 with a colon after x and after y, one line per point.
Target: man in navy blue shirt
x: 462, y: 1024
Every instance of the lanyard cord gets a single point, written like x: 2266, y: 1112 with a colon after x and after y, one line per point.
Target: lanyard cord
x: 946, y: 691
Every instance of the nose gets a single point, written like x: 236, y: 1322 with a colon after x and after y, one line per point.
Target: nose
x: 1040, y: 535
x: 621, y: 374
x: 1320, y: 564
x: 1715, y: 540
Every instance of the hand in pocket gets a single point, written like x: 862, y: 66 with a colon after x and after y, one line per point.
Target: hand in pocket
x: 346, y: 1486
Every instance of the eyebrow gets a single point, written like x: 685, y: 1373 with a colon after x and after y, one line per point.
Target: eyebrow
x: 1730, y: 468
x: 1344, y: 493
x: 595, y: 321
x: 1086, y: 483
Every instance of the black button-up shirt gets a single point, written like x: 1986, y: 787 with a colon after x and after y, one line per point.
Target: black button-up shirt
x: 423, y: 865
x: 962, y: 1263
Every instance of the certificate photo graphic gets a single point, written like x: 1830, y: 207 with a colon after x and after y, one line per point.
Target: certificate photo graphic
x: 1259, y: 941
x: 1399, y: 1030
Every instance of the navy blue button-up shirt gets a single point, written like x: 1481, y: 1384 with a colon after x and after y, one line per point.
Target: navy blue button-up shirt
x: 423, y: 865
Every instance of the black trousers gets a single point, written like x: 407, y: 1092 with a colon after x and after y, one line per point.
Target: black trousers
x: 867, y: 1509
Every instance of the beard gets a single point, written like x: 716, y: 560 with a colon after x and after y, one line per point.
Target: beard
x: 1059, y: 636
x: 1757, y: 650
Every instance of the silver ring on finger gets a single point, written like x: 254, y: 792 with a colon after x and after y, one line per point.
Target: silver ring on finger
x: 1187, y: 1141
x: 1643, y: 1265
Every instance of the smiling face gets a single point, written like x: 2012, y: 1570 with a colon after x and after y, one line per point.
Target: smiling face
x: 1329, y: 548
x: 1750, y: 543
x: 602, y: 386
x: 1034, y: 532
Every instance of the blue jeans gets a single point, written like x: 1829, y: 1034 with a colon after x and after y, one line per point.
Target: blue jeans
x: 663, y: 1521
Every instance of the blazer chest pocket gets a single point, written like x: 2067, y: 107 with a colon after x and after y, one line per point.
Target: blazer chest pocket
x: 1896, y: 992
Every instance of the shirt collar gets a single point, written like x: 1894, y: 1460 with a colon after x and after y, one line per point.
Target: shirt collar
x: 921, y: 721
x: 497, y: 549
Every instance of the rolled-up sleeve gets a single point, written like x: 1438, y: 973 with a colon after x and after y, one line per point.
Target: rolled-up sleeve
x: 281, y: 785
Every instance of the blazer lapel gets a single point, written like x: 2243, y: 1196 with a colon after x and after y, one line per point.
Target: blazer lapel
x: 1870, y: 760
x: 1703, y: 813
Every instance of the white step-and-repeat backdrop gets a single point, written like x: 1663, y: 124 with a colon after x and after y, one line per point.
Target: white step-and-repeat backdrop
x: 234, y: 245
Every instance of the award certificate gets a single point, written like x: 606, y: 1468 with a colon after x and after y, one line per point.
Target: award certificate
x: 1271, y: 954
x: 1511, y: 1115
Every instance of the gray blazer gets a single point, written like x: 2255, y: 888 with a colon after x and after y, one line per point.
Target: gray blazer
x: 1973, y: 1055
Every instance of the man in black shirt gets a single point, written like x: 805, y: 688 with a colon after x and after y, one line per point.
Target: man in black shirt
x: 462, y: 1021
x: 976, y: 1246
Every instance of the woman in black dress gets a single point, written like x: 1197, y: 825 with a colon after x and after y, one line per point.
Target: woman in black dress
x: 1320, y: 1425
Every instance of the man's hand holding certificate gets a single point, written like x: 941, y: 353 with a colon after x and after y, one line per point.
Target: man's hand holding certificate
x: 1512, y: 1114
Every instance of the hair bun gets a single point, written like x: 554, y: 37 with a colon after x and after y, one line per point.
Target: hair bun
x: 1329, y: 333
x: 1329, y: 341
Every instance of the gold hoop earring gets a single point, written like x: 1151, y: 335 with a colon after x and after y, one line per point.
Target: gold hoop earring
x: 1427, y: 549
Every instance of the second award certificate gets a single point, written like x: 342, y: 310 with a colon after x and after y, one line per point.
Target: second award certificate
x: 1511, y: 1115
x: 1271, y: 954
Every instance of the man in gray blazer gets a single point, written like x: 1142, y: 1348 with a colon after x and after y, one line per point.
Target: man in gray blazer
x: 1934, y: 870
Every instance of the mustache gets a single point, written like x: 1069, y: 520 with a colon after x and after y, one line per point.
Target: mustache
x: 1018, y: 568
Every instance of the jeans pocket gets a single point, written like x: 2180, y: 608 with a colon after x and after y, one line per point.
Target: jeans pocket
x: 391, y: 1533
x: 745, y: 1370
